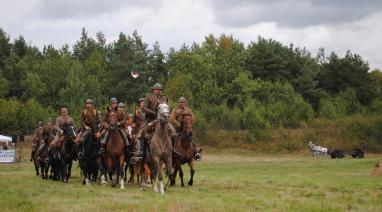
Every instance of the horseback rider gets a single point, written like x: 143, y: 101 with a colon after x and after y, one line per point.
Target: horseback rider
x: 63, y: 119
x: 176, y: 119
x: 113, y: 107
x: 123, y: 124
x: 48, y: 133
x: 150, y: 109
x: 139, y: 117
x: 36, y: 138
x: 89, y: 123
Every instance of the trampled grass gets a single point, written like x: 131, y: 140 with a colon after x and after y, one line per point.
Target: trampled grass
x: 226, y: 180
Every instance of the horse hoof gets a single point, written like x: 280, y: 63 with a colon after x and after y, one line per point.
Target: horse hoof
x: 190, y: 183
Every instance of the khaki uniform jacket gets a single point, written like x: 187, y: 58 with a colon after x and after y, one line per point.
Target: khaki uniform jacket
x: 121, y: 118
x: 151, y: 106
x: 60, y: 121
x: 139, y: 117
x: 176, y: 116
x: 89, y: 118
x: 49, y: 131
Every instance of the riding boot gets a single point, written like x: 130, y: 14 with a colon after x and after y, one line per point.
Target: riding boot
x: 124, y: 135
x: 103, y: 142
x: 173, y: 141
x: 198, y: 151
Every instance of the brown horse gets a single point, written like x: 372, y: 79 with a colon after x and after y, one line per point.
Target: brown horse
x: 160, y: 150
x: 115, y: 150
x: 185, y: 149
x: 134, y: 168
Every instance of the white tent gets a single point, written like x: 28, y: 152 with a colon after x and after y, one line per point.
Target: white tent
x: 5, y: 139
x: 7, y: 155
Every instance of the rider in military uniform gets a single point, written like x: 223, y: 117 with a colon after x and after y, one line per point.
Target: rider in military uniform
x: 48, y: 133
x: 176, y: 119
x: 36, y: 138
x: 150, y: 109
x: 64, y: 118
x: 89, y: 123
x: 113, y: 107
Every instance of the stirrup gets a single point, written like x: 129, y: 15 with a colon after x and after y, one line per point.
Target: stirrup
x: 80, y: 155
x: 175, y: 153
x: 101, y: 150
x: 198, y: 156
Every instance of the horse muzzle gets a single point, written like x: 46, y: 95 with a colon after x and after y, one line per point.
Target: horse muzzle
x: 112, y: 126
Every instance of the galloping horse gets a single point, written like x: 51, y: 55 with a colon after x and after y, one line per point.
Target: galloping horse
x: 115, y: 150
x: 67, y: 151
x: 43, y: 156
x: 185, y: 149
x: 88, y: 161
x: 160, y: 148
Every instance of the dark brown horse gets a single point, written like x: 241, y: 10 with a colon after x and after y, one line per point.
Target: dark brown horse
x: 115, y: 150
x: 185, y: 149
x: 67, y: 151
x: 160, y: 149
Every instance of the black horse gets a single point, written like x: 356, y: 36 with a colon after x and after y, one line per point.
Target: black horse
x: 88, y: 161
x: 67, y: 152
x: 43, y: 159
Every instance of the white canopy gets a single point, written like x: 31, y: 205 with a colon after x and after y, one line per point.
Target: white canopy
x: 5, y: 139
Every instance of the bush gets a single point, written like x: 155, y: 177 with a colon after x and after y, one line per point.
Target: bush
x: 255, y: 123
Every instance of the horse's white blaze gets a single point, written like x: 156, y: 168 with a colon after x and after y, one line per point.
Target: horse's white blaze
x: 103, y: 181
x: 161, y: 187
x: 87, y: 181
x: 122, y: 184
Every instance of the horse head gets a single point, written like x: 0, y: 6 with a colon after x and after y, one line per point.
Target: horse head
x: 163, y: 112
x: 187, y: 124
x: 112, y: 118
x: 68, y: 130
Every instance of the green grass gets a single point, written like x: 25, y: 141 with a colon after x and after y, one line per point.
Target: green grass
x: 226, y: 180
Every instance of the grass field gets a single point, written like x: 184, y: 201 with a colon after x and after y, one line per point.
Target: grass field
x: 226, y: 180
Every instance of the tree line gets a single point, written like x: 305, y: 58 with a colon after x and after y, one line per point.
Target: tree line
x: 231, y: 86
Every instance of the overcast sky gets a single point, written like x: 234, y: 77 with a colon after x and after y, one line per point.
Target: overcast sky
x: 336, y: 25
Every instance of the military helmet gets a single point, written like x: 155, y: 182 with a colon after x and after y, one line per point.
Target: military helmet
x: 182, y: 100
x: 50, y: 120
x: 113, y: 100
x: 141, y: 100
x: 89, y: 101
x: 157, y: 86
x: 131, y: 115
x: 121, y: 105
x: 39, y: 123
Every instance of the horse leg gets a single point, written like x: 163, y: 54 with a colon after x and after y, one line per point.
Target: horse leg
x: 168, y: 163
x: 120, y: 171
x: 156, y: 175
x: 110, y: 170
x: 192, y: 172
x: 102, y: 170
x: 126, y: 167
x: 160, y: 177
x: 181, y: 176
x: 174, y: 175
x: 36, y: 167
x: 70, y: 163
x: 64, y: 171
